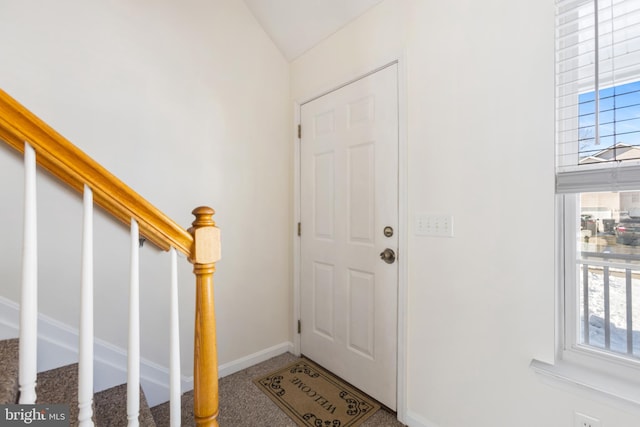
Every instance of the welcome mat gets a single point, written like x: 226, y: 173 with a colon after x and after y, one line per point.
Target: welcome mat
x: 312, y: 397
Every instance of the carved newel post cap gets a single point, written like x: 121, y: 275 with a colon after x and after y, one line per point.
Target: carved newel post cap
x: 206, y: 237
x: 204, y: 217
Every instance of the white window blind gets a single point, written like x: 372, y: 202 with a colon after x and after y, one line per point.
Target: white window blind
x: 597, y: 95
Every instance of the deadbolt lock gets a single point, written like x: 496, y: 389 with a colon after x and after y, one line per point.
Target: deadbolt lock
x: 388, y: 231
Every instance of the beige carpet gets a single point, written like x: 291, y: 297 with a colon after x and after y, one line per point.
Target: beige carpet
x: 242, y: 404
x: 313, y: 397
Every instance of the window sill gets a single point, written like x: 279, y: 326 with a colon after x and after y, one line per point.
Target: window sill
x: 620, y: 389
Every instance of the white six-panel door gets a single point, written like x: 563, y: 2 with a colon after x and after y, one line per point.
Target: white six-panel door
x: 349, y: 194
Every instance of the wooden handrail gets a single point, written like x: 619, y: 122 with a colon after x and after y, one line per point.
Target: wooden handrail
x: 71, y: 165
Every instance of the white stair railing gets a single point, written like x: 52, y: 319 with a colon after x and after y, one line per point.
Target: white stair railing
x: 85, y: 347
x: 133, y: 352
x: 174, y: 348
x: 28, y: 347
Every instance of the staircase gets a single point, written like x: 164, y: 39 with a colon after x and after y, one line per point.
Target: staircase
x: 60, y: 386
x: 42, y: 146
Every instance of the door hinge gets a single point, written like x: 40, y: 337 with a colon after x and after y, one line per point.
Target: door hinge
x: 299, y: 229
x: 299, y: 326
x: 299, y: 131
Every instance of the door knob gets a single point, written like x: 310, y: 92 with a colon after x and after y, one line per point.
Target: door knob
x: 388, y: 256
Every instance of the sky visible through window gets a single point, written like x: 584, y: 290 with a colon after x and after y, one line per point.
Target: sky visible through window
x: 619, y: 123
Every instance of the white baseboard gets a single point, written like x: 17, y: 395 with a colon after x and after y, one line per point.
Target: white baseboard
x: 253, y: 359
x: 58, y: 346
x: 9, y: 319
x: 415, y: 420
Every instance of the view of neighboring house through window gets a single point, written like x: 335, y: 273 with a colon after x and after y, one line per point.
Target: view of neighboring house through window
x: 608, y: 272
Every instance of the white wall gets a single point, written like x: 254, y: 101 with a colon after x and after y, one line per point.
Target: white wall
x: 480, y: 129
x: 188, y: 103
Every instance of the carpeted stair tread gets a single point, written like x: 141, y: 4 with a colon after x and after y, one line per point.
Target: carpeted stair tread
x: 111, y: 408
x: 161, y: 413
x: 60, y: 385
x: 9, y: 371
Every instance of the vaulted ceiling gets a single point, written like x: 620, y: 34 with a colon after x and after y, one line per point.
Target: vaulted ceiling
x: 295, y: 26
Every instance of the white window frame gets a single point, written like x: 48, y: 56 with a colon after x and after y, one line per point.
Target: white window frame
x: 585, y: 367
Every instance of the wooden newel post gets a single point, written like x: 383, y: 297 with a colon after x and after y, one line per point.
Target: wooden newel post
x: 206, y: 251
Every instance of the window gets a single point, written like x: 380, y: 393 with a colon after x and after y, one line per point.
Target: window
x: 603, y: 280
x: 618, y: 135
x: 598, y: 179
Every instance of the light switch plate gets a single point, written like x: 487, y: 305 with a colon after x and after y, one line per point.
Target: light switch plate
x: 582, y: 420
x: 428, y: 224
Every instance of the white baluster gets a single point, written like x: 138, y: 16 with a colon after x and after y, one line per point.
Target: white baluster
x: 133, y: 376
x: 85, y: 361
x: 174, y: 357
x: 29, y: 300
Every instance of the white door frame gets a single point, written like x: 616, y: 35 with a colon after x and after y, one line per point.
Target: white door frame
x: 403, y: 224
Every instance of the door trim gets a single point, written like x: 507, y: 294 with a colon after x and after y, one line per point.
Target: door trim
x: 403, y: 224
